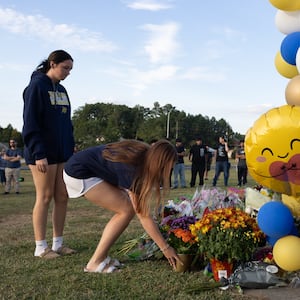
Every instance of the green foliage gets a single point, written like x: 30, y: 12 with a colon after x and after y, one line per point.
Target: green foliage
x: 10, y: 133
x: 102, y: 123
x: 228, y: 234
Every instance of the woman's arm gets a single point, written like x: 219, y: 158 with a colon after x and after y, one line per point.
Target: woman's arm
x: 152, y: 229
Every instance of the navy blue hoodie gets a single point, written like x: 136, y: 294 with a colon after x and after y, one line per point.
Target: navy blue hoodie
x: 47, y: 128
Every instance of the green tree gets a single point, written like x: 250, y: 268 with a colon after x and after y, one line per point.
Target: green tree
x: 103, y: 123
x: 11, y: 133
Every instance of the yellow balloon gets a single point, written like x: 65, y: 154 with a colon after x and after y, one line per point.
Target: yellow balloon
x: 292, y: 91
x: 272, y: 148
x: 288, y: 5
x: 285, y: 69
x: 293, y: 203
x: 286, y: 253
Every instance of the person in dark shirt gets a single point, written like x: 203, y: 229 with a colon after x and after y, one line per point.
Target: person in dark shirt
x: 123, y: 177
x: 179, y: 169
x: 49, y: 142
x: 13, y: 157
x: 242, y: 169
x: 222, y: 164
x: 198, y: 157
x: 2, y: 167
x: 210, y: 155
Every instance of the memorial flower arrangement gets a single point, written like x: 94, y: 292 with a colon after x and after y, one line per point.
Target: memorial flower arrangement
x: 179, y: 235
x: 183, y: 211
x: 228, y: 234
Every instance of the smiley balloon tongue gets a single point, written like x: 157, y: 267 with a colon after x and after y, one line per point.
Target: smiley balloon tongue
x: 289, y: 171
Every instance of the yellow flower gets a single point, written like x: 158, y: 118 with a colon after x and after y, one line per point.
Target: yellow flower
x: 227, y: 233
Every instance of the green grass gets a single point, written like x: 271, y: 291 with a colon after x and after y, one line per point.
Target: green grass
x: 23, y: 276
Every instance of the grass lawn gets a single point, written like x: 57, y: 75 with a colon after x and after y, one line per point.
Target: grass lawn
x: 25, y: 277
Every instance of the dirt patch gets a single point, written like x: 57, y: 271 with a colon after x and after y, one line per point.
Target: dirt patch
x: 16, y: 220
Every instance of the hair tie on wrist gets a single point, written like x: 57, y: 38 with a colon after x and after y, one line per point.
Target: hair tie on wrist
x: 166, y: 248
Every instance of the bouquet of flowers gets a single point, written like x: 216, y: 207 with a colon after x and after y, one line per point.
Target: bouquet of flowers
x: 179, y: 234
x: 140, y: 248
x: 212, y: 198
x: 183, y: 211
x: 258, y: 196
x: 228, y: 234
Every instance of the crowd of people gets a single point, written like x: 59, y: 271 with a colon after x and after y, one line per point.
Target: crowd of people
x: 201, y: 157
x: 122, y: 177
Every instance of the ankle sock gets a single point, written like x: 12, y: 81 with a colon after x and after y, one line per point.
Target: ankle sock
x: 57, y: 243
x: 40, y: 247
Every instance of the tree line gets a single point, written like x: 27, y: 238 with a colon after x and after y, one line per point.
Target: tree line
x: 101, y: 123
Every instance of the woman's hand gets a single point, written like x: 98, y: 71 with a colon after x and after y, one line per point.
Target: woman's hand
x: 172, y: 257
x: 42, y: 165
x: 152, y: 229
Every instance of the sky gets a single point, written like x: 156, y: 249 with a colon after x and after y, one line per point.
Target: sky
x: 214, y: 58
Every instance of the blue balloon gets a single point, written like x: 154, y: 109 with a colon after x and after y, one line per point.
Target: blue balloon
x: 289, y: 47
x: 272, y: 240
x: 275, y: 219
x: 294, y: 231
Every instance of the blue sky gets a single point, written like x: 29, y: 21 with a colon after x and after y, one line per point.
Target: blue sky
x: 214, y: 58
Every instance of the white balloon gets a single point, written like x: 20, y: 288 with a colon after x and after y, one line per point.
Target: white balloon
x: 298, y: 60
x: 287, y: 21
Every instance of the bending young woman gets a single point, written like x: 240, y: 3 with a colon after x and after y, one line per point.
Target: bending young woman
x: 48, y: 138
x: 122, y: 177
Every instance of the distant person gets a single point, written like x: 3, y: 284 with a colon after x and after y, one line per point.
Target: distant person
x: 13, y: 157
x: 242, y: 169
x: 2, y: 168
x: 123, y: 177
x: 222, y: 164
x: 210, y: 154
x: 49, y: 143
x: 179, y: 169
x: 198, y: 156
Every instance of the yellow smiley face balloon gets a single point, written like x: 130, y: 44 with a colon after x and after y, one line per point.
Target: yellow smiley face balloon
x: 289, y: 5
x: 272, y: 148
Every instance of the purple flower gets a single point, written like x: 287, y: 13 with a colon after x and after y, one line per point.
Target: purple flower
x: 183, y: 222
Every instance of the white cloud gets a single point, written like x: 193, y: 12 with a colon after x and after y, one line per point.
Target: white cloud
x: 162, y: 73
x: 162, y: 45
x: 13, y: 67
x: 259, y: 108
x: 148, y: 5
x: 230, y: 33
x: 225, y: 42
x: 139, y: 81
x: 204, y: 74
x: 38, y: 26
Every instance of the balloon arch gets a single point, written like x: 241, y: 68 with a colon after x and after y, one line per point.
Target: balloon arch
x: 273, y: 145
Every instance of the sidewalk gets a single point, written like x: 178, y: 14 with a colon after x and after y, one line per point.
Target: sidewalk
x: 274, y: 293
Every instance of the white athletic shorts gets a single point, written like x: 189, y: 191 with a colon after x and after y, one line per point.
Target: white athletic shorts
x: 78, y: 187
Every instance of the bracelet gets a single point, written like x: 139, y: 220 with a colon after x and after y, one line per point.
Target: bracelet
x: 166, y: 248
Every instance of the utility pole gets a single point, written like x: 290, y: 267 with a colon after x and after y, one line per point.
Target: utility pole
x: 168, y: 123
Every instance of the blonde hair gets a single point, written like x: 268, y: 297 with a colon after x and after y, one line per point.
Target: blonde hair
x: 154, y: 165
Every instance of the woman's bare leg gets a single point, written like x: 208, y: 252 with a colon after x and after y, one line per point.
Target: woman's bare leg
x: 60, y: 202
x: 116, y: 200
x: 44, y: 186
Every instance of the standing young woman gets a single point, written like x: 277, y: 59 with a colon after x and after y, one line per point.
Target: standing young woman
x: 49, y: 142
x: 122, y: 177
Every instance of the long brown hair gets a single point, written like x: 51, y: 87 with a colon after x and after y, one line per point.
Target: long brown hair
x: 57, y: 57
x: 154, y: 165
